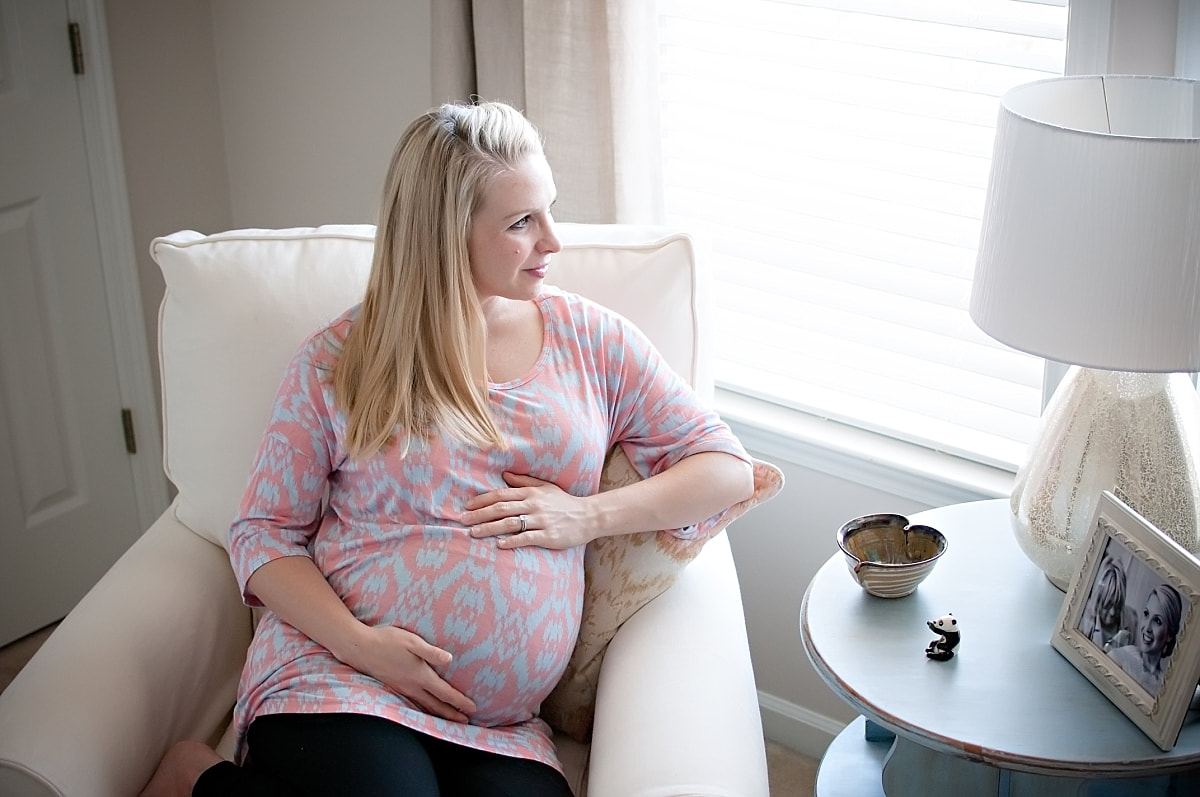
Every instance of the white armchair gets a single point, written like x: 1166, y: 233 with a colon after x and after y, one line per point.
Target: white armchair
x: 153, y: 653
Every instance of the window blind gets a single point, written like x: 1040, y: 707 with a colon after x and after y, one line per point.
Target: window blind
x: 835, y: 156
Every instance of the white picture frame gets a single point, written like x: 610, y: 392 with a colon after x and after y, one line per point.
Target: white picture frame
x: 1150, y: 671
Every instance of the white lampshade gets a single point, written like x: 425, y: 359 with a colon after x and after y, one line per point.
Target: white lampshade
x: 1090, y: 255
x: 1090, y: 249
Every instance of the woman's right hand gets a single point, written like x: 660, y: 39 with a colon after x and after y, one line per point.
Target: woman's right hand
x: 408, y: 665
x: 294, y: 588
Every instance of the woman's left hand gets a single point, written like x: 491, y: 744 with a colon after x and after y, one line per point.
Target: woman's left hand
x: 531, y: 512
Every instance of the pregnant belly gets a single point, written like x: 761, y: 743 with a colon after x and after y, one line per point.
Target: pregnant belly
x: 508, y: 617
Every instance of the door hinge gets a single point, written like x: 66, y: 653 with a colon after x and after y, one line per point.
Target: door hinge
x: 127, y: 425
x: 76, y: 47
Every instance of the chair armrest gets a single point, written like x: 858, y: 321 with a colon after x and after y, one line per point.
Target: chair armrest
x: 676, y: 705
x: 151, y: 655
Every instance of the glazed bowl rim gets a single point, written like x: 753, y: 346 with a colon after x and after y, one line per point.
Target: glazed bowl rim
x: 867, y: 521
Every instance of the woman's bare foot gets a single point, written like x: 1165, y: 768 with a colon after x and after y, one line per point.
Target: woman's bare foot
x: 179, y: 770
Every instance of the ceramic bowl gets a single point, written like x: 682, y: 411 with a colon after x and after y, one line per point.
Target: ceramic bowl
x: 887, y: 556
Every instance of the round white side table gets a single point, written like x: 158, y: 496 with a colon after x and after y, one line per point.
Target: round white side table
x: 1007, y: 715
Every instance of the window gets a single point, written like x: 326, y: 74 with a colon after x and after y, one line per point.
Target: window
x: 836, y: 156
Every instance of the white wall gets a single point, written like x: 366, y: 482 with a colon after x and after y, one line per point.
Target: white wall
x: 313, y: 97
x: 276, y: 113
x: 169, y: 115
x: 1142, y: 39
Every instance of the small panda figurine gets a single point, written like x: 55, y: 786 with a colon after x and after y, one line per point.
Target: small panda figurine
x: 942, y: 648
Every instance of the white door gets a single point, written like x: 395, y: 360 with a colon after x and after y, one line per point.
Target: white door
x: 67, y: 500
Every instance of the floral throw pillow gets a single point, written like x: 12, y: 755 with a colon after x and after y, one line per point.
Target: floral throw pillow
x: 623, y: 573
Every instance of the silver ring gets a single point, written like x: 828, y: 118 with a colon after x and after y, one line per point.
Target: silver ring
x: 523, y: 520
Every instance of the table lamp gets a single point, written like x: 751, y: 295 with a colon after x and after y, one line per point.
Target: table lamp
x: 1089, y: 255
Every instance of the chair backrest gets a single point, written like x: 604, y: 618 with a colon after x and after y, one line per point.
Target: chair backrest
x: 237, y: 304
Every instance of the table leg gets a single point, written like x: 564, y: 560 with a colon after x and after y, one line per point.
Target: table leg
x: 877, y: 733
x: 911, y: 770
x: 851, y: 766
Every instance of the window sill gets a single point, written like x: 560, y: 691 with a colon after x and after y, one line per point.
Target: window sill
x: 873, y: 460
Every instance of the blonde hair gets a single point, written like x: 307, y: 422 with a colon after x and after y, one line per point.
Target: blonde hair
x: 414, y: 360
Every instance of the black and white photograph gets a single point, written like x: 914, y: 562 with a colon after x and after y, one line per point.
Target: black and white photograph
x: 1126, y: 621
x: 1132, y: 614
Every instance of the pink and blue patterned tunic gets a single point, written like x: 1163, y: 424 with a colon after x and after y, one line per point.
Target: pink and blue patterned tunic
x: 389, y: 539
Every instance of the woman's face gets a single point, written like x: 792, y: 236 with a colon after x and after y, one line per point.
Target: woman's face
x: 1110, y: 614
x: 512, y: 232
x: 1154, y: 631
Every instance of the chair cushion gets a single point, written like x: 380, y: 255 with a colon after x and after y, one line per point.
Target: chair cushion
x: 236, y: 307
x: 623, y: 574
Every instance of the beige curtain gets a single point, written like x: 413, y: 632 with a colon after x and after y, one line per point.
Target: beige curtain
x: 585, y: 72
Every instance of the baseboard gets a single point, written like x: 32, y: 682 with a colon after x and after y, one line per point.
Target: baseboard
x: 796, y: 727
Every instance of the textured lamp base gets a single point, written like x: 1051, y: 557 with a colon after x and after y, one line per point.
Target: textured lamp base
x: 1132, y: 433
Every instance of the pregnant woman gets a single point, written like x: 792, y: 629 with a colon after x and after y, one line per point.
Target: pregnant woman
x: 415, y: 519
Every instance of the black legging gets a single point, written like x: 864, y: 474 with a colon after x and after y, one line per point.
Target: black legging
x: 320, y: 755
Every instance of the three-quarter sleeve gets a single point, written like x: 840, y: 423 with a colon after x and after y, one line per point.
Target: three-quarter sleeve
x: 655, y: 415
x: 281, y: 507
